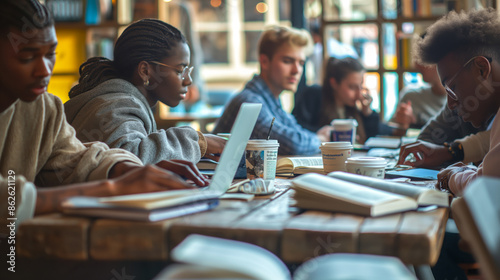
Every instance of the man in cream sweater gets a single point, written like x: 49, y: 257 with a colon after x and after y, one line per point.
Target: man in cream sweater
x: 38, y: 147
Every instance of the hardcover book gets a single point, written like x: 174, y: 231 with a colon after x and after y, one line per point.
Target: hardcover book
x: 320, y: 192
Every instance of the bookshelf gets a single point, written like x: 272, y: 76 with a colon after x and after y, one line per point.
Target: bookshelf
x: 87, y: 28
x: 382, y: 32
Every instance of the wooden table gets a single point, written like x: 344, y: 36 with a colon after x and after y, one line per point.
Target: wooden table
x: 294, y: 236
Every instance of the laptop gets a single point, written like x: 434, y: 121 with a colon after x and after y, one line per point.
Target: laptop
x: 158, y: 206
x: 235, y: 147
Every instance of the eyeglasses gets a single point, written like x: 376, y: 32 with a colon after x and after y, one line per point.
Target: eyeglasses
x: 450, y: 92
x: 186, y: 70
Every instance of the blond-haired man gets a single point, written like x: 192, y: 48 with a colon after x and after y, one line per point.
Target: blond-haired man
x: 282, y: 54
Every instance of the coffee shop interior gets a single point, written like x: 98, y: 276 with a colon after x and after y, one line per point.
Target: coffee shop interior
x: 306, y: 222
x: 224, y: 37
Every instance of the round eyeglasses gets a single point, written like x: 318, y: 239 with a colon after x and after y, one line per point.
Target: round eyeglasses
x: 186, y: 70
x: 449, y: 91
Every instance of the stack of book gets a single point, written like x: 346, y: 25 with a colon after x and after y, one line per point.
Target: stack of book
x: 150, y: 207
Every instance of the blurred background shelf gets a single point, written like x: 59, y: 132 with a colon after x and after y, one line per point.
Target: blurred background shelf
x: 224, y: 37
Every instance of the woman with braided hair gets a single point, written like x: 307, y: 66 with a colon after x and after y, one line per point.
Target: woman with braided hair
x: 114, y: 99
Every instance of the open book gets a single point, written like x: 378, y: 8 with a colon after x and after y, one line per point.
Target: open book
x: 150, y: 207
x: 320, y: 192
x: 290, y: 166
x: 206, y: 257
x: 423, y: 195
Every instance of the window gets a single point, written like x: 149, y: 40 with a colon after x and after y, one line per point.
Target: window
x: 229, y: 31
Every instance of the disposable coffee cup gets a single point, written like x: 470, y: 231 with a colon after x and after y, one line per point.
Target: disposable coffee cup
x: 344, y: 130
x: 367, y: 166
x: 260, y: 159
x: 334, y: 155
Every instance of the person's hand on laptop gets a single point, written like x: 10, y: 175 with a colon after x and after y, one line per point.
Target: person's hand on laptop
x: 186, y: 169
x: 215, y: 146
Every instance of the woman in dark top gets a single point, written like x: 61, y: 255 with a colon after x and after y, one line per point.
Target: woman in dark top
x: 342, y: 96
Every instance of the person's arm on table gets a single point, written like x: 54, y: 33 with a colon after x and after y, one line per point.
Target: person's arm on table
x: 475, y: 146
x: 138, y: 179
x: 458, y: 176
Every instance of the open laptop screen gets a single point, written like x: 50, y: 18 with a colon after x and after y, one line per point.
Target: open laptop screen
x: 235, y: 147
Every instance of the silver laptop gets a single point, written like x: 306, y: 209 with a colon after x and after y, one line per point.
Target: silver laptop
x: 235, y: 147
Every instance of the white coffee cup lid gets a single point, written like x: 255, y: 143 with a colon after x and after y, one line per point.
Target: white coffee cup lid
x: 262, y: 144
x: 376, y: 162
x: 344, y: 122
x: 336, y: 145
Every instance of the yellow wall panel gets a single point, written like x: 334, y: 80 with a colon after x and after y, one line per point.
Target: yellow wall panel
x: 70, y: 53
x: 61, y: 84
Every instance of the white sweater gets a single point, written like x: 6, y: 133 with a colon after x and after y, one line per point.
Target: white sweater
x: 475, y: 146
x: 489, y: 167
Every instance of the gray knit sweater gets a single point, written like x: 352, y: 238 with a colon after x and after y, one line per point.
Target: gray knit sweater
x: 115, y: 112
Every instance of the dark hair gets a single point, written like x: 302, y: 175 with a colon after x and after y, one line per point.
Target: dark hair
x: 338, y: 69
x: 144, y: 40
x: 466, y: 33
x: 23, y: 15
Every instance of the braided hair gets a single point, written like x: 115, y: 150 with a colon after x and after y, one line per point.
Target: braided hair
x: 24, y: 15
x: 144, y: 40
